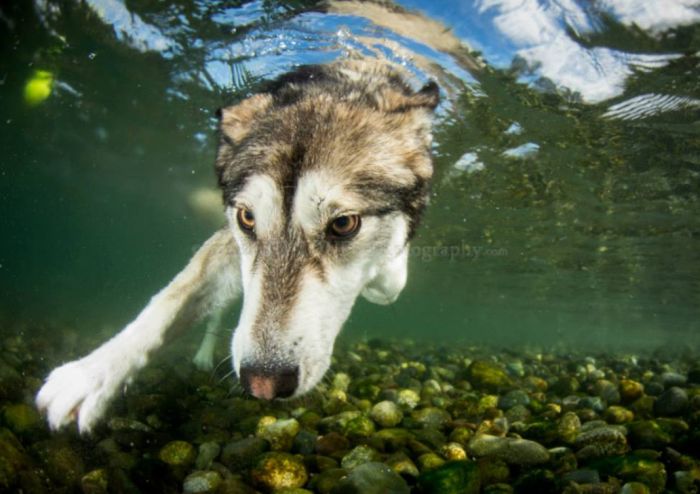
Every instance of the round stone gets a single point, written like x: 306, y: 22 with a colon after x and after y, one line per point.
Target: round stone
x: 386, y: 414
x: 275, y: 470
x: 671, y: 402
x: 201, y: 482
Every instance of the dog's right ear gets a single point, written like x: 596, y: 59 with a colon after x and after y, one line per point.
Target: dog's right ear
x: 235, y: 121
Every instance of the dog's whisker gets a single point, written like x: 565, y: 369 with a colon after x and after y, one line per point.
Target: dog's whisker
x: 226, y: 376
x: 222, y: 362
x: 235, y: 390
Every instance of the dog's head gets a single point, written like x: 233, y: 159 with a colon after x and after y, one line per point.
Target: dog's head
x: 324, y: 179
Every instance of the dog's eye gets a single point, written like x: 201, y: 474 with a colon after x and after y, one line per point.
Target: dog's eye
x: 246, y: 220
x: 344, y: 227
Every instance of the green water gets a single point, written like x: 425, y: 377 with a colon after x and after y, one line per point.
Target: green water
x: 592, y: 237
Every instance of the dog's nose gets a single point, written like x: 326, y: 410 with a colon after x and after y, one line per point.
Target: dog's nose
x: 266, y: 384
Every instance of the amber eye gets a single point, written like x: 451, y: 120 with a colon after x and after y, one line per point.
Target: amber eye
x: 344, y: 227
x: 246, y: 220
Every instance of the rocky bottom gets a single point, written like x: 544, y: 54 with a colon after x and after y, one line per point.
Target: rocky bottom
x: 394, y: 417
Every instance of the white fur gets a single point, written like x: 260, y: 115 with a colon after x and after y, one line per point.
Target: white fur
x: 373, y: 263
x: 81, y: 390
x: 264, y: 199
x: 204, y: 358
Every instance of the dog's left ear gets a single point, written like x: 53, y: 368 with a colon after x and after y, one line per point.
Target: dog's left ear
x: 428, y: 97
x: 235, y: 121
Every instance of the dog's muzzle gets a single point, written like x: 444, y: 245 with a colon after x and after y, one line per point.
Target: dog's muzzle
x: 268, y: 383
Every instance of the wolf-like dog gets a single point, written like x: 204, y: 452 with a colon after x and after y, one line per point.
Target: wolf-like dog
x: 324, y: 175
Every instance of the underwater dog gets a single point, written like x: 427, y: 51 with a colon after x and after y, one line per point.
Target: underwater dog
x: 324, y: 174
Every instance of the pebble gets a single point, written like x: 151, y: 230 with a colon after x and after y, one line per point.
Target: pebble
x: 488, y: 376
x: 407, y: 399
x: 372, y: 478
x: 583, y: 476
x: 618, y: 415
x: 453, y: 451
x: 455, y: 477
x: 21, y: 419
x: 206, y: 482
x: 208, y: 452
x: 358, y: 427
x: 95, y: 482
x: 177, y: 453
x: 386, y: 414
x: 402, y: 464
x: 634, y: 488
x: 670, y: 379
x: 429, y: 461
x: 607, y: 391
x: 671, y: 402
x: 630, y: 390
x: 325, y: 481
x: 279, y: 433
x: 513, y: 398
x: 341, y: 381
x: 276, y: 470
x: 568, y: 427
x: 61, y: 461
x: 431, y: 417
x: 331, y: 443
x: 601, y: 441
x: 240, y: 454
x: 357, y: 456
x: 511, y: 450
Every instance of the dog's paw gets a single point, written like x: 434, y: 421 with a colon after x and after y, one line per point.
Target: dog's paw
x: 78, y: 391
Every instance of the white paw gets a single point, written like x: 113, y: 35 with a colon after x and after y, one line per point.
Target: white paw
x: 80, y: 391
x: 204, y: 359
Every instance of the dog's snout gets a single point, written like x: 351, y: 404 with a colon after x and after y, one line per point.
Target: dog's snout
x: 269, y: 383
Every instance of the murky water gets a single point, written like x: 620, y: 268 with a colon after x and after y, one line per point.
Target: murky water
x: 566, y: 199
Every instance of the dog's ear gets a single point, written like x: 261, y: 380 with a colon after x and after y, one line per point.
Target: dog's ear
x: 235, y: 121
x: 392, y: 100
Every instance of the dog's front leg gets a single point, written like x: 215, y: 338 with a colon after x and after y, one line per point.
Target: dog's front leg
x: 82, y: 389
x: 204, y: 358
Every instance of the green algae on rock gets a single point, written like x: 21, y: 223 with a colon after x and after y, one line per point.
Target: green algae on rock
x: 488, y: 376
x: 279, y: 433
x: 21, y: 418
x: 178, y: 454
x: 454, y: 477
x: 386, y: 414
x: 359, y: 455
x: 95, y: 482
x: 275, y: 470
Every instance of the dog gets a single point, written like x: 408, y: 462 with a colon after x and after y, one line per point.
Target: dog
x: 325, y: 175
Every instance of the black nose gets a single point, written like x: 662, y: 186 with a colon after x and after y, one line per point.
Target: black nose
x: 268, y: 383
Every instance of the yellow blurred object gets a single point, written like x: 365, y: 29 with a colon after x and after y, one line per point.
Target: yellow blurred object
x: 39, y: 87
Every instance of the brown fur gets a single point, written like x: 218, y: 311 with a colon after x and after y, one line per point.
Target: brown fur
x: 358, y: 118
